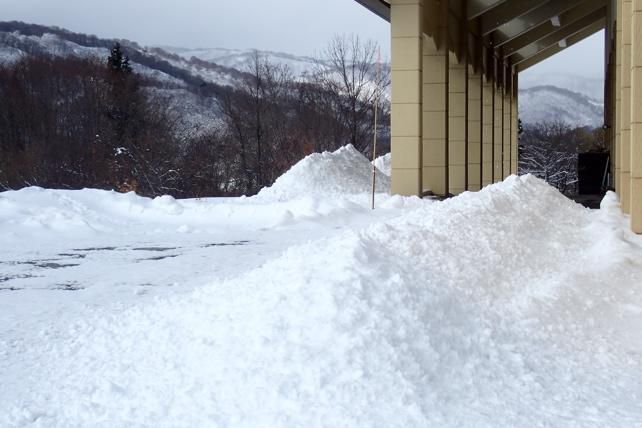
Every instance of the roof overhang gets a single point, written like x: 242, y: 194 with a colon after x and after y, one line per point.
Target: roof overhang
x: 378, y: 7
x: 518, y: 33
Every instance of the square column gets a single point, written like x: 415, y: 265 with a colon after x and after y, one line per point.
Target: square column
x: 474, y: 129
x: 514, y: 125
x: 636, y: 117
x: 435, y: 117
x: 457, y: 125
x: 625, y: 117
x: 487, y: 135
x: 609, y: 93
x: 498, y: 133
x: 617, y: 88
x: 406, y: 92
x: 506, y: 150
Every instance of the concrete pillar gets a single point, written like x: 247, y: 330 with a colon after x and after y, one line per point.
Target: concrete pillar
x: 498, y: 133
x: 474, y: 129
x: 625, y: 146
x: 457, y: 125
x: 636, y: 117
x: 609, y: 95
x: 435, y: 117
x: 514, y: 125
x: 617, y: 88
x: 406, y: 95
x: 506, y: 149
x: 487, y: 136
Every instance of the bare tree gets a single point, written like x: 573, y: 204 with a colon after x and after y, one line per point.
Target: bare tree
x: 548, y: 150
x: 347, y: 69
x: 257, y: 117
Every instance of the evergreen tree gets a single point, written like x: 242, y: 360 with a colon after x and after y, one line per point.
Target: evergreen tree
x: 118, y: 61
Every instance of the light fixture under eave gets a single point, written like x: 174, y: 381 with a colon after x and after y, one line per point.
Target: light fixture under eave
x: 562, y: 43
x: 556, y: 21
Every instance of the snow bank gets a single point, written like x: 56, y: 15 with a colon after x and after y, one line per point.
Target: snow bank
x: 383, y: 164
x: 40, y: 213
x: 327, y: 174
x: 321, y: 185
x: 492, y: 309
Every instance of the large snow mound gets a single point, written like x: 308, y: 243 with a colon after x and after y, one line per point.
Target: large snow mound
x: 508, y: 307
x: 342, y: 172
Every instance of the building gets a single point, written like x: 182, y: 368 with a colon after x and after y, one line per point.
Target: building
x: 455, y: 74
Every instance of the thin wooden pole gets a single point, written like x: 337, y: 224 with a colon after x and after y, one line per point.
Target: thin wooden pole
x: 374, y: 142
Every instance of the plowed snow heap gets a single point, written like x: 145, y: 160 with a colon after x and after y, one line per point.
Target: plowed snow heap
x: 345, y: 171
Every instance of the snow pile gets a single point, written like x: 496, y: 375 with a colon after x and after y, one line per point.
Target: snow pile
x: 327, y: 174
x: 497, y: 308
x: 383, y: 164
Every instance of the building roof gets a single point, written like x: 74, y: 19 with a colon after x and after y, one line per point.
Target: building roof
x: 520, y: 33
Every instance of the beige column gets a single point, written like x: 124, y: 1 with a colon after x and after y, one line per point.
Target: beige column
x: 514, y: 125
x: 609, y: 94
x: 474, y: 129
x: 498, y: 134
x: 609, y: 98
x: 457, y: 126
x: 406, y: 95
x: 617, y: 88
x: 625, y: 117
x: 506, y: 150
x: 435, y: 117
x: 487, y: 136
x: 636, y: 117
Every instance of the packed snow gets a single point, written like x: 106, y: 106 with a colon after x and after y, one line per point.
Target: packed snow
x: 511, y: 306
x: 384, y: 164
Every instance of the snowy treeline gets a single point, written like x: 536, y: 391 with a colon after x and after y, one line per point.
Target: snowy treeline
x: 549, y: 151
x: 70, y: 122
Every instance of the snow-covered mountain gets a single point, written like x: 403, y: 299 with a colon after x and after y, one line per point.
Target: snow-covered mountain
x: 191, y: 78
x: 19, y: 39
x: 572, y: 98
x: 592, y: 87
x: 239, y: 59
x: 551, y: 103
x: 544, y: 97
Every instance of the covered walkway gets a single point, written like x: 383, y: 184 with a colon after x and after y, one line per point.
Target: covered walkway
x: 455, y: 68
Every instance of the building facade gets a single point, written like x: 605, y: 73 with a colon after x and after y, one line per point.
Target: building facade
x: 455, y: 74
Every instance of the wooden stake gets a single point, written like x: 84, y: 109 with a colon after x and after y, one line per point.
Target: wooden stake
x: 374, y: 142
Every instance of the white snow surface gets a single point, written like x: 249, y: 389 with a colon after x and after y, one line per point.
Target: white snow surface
x: 512, y: 306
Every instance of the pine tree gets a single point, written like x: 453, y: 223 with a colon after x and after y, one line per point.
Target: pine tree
x: 118, y: 61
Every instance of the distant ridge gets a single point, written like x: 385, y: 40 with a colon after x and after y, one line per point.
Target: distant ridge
x: 189, y: 75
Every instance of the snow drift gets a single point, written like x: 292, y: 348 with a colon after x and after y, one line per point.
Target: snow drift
x: 512, y: 306
x: 327, y: 174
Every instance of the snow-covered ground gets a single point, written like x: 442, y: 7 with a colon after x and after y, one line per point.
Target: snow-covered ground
x: 512, y: 306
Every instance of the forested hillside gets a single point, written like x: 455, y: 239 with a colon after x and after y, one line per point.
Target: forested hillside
x: 168, y: 125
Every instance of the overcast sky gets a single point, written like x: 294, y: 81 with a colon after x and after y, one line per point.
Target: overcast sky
x: 585, y: 58
x: 300, y: 27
